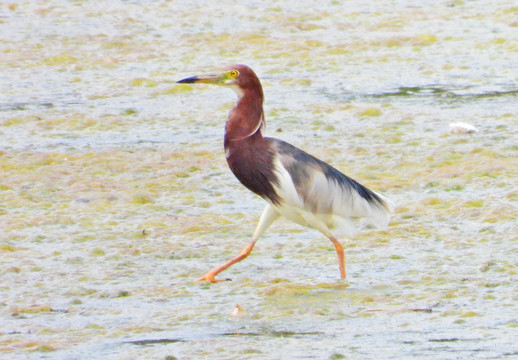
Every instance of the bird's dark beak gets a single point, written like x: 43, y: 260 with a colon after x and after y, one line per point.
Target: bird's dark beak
x: 189, y: 80
x: 204, y: 79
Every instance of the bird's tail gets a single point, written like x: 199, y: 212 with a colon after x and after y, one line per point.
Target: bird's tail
x: 380, y: 211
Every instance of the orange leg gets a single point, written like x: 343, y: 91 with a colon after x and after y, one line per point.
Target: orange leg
x: 211, y: 274
x: 267, y: 218
x: 341, y: 256
x: 316, y: 224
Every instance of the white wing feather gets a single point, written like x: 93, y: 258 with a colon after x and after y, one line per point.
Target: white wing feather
x: 324, y: 204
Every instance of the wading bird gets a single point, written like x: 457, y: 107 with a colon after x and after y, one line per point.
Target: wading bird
x: 295, y: 184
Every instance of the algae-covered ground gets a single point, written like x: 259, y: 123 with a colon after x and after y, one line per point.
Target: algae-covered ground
x: 115, y: 195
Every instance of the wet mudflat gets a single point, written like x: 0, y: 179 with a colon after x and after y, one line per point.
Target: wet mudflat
x: 115, y: 195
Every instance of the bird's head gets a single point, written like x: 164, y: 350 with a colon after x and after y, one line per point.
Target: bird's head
x: 238, y: 77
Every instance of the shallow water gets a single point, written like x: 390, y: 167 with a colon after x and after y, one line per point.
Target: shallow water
x: 115, y: 195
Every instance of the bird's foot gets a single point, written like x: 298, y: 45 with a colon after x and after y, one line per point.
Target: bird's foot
x: 210, y: 277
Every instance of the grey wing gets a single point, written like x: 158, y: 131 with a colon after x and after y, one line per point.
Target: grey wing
x: 323, y: 189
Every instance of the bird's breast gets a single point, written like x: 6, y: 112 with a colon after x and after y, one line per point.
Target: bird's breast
x: 252, y: 162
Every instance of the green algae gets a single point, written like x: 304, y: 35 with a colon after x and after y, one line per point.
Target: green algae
x: 371, y: 112
x: 62, y: 59
x: 143, y: 82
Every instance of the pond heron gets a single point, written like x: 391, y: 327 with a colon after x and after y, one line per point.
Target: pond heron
x: 295, y: 184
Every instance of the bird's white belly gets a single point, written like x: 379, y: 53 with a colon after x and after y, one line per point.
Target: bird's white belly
x: 294, y: 214
x: 321, y: 222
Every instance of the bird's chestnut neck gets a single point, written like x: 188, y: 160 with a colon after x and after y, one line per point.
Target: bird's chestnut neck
x: 247, y: 117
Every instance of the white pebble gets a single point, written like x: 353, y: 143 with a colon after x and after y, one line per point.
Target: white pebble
x: 460, y: 127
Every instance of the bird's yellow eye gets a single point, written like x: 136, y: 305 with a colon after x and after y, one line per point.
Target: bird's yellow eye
x: 234, y: 73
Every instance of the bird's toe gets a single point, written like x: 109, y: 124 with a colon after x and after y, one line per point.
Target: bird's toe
x: 210, y: 277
